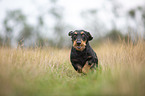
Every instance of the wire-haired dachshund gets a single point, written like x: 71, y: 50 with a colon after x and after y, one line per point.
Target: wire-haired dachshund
x: 82, y: 55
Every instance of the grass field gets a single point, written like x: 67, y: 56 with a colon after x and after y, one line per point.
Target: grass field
x: 48, y: 72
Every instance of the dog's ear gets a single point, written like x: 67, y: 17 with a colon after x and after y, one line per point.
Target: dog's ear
x: 70, y: 33
x: 89, y: 36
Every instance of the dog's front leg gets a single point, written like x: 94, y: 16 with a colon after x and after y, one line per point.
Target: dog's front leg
x: 77, y: 67
x: 86, y: 68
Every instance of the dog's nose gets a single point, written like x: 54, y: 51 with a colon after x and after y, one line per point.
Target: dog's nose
x: 78, y: 42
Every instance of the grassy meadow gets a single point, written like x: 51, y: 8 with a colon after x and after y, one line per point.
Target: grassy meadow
x: 48, y: 72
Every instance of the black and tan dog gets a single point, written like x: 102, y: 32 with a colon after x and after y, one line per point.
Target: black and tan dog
x: 82, y: 55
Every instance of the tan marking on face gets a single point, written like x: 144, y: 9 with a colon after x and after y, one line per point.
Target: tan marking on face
x: 75, y: 43
x: 82, y: 45
x: 76, y: 33
x: 82, y: 32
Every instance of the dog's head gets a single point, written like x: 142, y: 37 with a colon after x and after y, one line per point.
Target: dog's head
x: 80, y: 39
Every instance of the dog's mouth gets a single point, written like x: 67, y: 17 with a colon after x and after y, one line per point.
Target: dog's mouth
x: 79, y: 47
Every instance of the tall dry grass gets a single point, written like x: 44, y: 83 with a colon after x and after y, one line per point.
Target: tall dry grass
x: 126, y: 65
x: 44, y: 72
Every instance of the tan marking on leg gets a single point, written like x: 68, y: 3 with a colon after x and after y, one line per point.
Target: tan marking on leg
x: 86, y: 68
x: 89, y: 56
x: 79, y: 69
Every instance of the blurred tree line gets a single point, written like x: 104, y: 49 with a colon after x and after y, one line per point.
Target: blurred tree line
x: 17, y: 31
x: 133, y: 30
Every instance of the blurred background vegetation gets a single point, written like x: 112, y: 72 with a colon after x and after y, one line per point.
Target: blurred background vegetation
x: 16, y: 31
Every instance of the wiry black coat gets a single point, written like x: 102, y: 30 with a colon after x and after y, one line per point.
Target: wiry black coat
x: 79, y: 58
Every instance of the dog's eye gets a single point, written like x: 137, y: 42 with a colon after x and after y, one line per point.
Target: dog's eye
x: 75, y: 36
x: 83, y: 35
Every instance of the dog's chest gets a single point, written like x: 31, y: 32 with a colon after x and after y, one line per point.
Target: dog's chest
x: 80, y: 57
